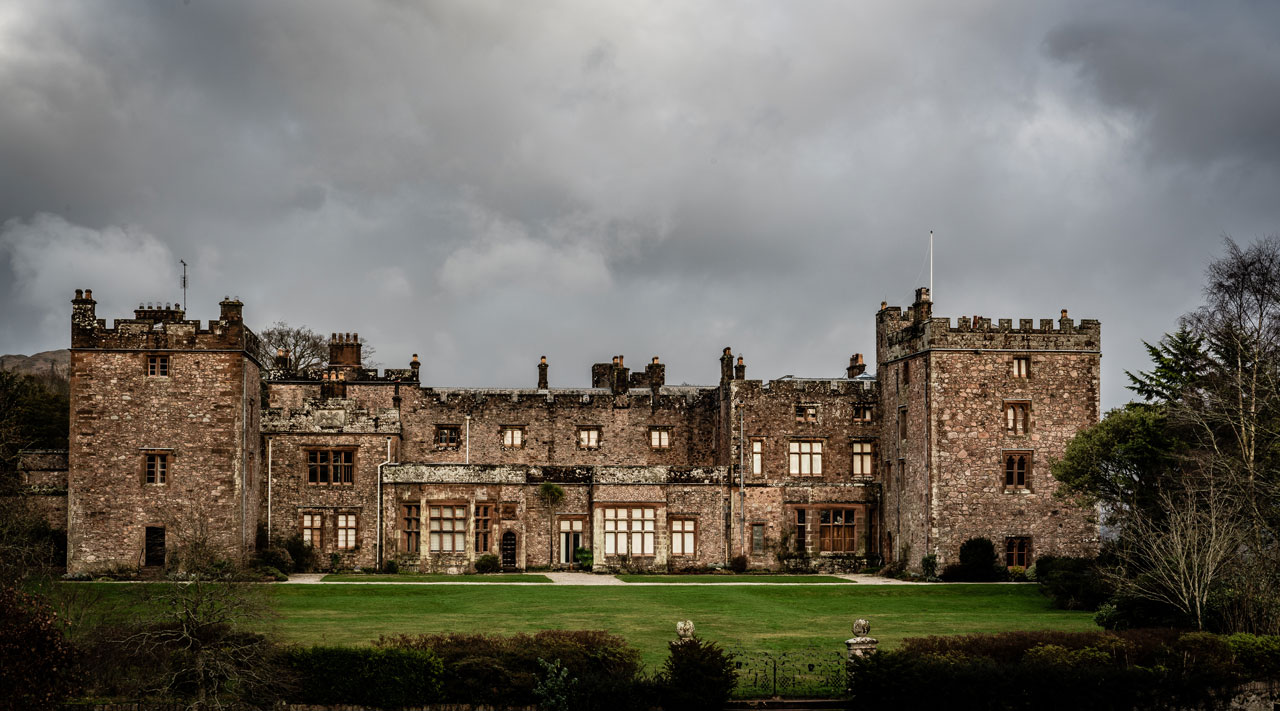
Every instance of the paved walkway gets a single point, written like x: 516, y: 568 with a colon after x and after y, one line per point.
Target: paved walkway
x: 579, y: 578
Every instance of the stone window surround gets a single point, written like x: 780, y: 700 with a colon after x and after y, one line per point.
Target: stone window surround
x: 812, y: 515
x: 486, y: 513
x: 455, y: 533
x: 756, y: 454
x: 688, y: 530
x: 349, y: 535
x: 411, y: 528
x: 1020, y: 367
x: 1017, y: 551
x: 512, y: 436
x: 660, y: 437
x: 1016, y: 417
x: 762, y: 539
x: 447, y: 436
x: 863, y: 413
x: 797, y: 457
x: 1005, y: 471
x: 867, y: 457
x: 648, y: 526
x: 308, y: 521
x: 807, y: 412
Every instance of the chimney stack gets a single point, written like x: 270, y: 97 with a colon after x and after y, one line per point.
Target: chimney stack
x: 856, y: 366
x: 740, y: 370
x: 726, y: 365
x: 542, y: 374
x: 414, y: 364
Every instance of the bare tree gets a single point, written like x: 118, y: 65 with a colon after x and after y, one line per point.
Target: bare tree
x: 1179, y: 558
x: 304, y: 348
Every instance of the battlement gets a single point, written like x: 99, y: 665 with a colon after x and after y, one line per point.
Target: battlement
x: 901, y: 332
x: 156, y: 327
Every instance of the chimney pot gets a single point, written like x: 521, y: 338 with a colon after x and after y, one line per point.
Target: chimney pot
x: 884, y: 305
x: 1064, y: 313
x: 739, y: 360
x: 544, y: 359
x: 79, y: 293
x: 655, y: 360
x: 88, y: 293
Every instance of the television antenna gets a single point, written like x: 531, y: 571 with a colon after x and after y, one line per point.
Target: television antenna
x: 184, y: 280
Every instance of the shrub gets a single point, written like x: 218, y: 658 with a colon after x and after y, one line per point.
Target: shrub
x: 488, y: 563
x: 303, y: 555
x: 1260, y: 653
x: 391, y: 567
x: 379, y: 677
x: 35, y: 660
x: 1072, y: 583
x: 584, y: 557
x: 697, y: 674
x: 738, y: 564
x: 273, y: 557
x: 505, y: 671
x: 929, y: 566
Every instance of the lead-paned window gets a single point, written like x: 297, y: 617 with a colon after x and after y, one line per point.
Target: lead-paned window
x: 158, y: 366
x: 683, y: 536
x: 447, y: 528
x: 513, y: 437
x: 410, y: 528
x: 757, y: 456
x: 805, y: 457
x: 863, y: 458
x: 330, y: 467
x: 629, y: 531
x: 448, y: 436
x: 346, y: 531
x: 757, y: 539
x: 588, y: 438
x: 1017, y: 551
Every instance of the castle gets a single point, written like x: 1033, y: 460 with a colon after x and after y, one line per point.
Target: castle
x: 180, y: 430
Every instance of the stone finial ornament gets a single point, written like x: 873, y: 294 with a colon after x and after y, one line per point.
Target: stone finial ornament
x: 861, y: 627
x: 684, y: 629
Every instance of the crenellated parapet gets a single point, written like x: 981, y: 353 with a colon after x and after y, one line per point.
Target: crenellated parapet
x: 424, y: 473
x: 161, y: 328
x: 330, y: 416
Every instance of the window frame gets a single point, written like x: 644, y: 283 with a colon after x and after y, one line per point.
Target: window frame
x: 685, y: 530
x: 621, y: 529
x: 860, y: 458
x: 348, y: 534
x: 659, y: 437
x: 158, y: 365
x: 482, y: 535
x: 435, y: 536
x: 311, y: 527
x: 829, y: 529
x: 411, y: 528
x: 1017, y: 418
x: 807, y: 412
x: 442, y: 440
x: 757, y: 456
x: 585, y: 440
x: 1021, y: 367
x: 758, y: 539
x: 1008, y: 459
x: 1017, y: 548
x: 864, y: 413
x: 797, y: 457
x: 157, y: 475
x: 511, y: 436
x: 332, y: 468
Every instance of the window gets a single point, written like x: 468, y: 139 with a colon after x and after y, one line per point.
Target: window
x: 448, y: 528
x: 346, y: 531
x: 806, y: 413
x: 312, y: 529
x: 683, y: 536
x: 757, y: 456
x: 1017, y: 551
x: 806, y: 457
x: 157, y: 468
x: 570, y: 538
x: 448, y: 436
x: 484, y: 526
x: 158, y: 366
x: 837, y: 531
x: 629, y: 531
x: 1017, y: 470
x: 906, y: 372
x: 410, y: 528
x: 513, y: 437
x: 659, y: 438
x: 862, y: 413
x: 1017, y: 418
x: 862, y: 458
x: 330, y: 467
x: 802, y: 542
x: 588, y: 438
x: 902, y: 424
x: 757, y: 539
x: 1022, y: 367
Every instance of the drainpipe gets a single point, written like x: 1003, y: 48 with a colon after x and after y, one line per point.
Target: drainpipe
x: 742, y: 479
x: 379, y: 504
x: 468, y: 438
x: 269, y: 489
x: 244, y: 455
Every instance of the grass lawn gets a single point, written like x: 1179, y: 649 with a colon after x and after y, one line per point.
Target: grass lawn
x: 438, y: 578
x: 756, y: 618
x: 731, y: 579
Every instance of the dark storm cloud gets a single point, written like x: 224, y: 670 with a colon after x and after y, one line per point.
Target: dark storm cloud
x: 483, y: 183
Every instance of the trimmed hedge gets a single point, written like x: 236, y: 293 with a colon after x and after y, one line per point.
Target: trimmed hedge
x: 378, y: 677
x: 1067, y: 670
x: 698, y: 674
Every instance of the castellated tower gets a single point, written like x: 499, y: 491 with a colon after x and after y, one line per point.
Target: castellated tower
x: 973, y: 414
x: 165, y: 438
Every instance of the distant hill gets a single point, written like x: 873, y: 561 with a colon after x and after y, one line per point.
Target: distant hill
x: 41, y: 365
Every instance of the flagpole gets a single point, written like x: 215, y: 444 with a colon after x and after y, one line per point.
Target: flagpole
x: 931, y: 265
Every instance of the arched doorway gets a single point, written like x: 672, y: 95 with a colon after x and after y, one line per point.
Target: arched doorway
x: 509, y: 549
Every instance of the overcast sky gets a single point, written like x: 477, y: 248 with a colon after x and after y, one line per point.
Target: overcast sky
x: 484, y: 183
